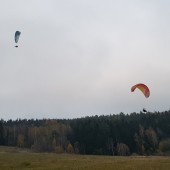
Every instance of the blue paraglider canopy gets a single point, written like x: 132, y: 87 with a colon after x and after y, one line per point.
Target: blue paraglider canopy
x: 17, y: 35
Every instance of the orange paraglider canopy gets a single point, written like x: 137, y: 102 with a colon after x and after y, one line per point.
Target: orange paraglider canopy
x: 145, y: 90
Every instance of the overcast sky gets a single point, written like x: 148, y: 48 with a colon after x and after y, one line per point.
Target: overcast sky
x: 80, y: 58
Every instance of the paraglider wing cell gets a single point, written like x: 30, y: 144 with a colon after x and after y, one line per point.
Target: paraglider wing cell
x: 145, y: 90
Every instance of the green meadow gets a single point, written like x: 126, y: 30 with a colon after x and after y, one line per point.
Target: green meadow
x: 14, y: 158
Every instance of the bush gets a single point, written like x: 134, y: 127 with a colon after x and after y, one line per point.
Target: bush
x: 164, y: 145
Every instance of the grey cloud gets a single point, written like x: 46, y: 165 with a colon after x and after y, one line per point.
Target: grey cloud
x: 78, y: 58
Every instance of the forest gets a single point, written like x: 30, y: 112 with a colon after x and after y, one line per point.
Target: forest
x: 116, y: 134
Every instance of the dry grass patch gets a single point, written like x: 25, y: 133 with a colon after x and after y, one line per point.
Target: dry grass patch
x: 49, y: 161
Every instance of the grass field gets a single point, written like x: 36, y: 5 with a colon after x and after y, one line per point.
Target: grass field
x: 13, y: 158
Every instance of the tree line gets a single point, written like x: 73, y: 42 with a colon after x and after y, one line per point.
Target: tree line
x: 121, y: 134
